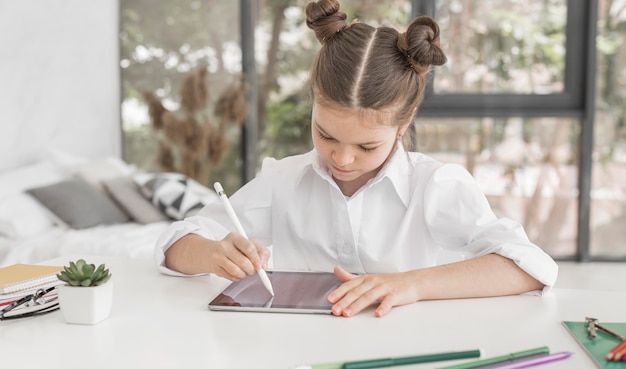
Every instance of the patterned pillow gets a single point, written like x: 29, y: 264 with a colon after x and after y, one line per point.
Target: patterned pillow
x: 175, y: 194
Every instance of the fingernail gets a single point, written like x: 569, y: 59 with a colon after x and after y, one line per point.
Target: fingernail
x: 331, y: 299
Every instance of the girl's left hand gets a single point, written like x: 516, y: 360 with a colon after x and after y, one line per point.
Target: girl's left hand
x: 360, y: 291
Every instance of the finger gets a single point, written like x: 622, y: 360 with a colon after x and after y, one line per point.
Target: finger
x: 248, y: 249
x: 231, y: 260
x: 341, y: 291
x: 230, y: 270
x: 345, y: 296
x: 358, y: 299
x: 239, y: 261
x: 264, y: 254
x: 385, y: 306
x: 342, y: 275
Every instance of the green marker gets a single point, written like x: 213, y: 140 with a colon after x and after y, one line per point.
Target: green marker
x: 387, y: 362
x: 540, y: 351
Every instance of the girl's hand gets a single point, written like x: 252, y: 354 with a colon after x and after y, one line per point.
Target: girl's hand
x: 358, y: 292
x: 236, y: 257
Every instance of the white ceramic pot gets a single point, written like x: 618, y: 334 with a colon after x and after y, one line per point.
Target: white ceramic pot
x: 86, y: 305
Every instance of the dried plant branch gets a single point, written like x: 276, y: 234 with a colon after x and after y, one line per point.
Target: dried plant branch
x: 190, y: 142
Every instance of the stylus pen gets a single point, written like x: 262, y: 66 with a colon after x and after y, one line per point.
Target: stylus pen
x: 233, y: 217
x: 501, y: 359
x: 387, y: 362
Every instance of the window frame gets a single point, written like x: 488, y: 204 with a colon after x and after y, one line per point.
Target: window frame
x: 569, y: 103
x: 577, y: 100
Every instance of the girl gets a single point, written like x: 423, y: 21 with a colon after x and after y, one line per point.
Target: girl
x: 358, y: 203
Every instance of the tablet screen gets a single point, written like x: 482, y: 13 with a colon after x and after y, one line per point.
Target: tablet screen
x: 294, y: 292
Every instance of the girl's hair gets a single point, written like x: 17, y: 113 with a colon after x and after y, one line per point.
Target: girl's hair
x: 362, y: 67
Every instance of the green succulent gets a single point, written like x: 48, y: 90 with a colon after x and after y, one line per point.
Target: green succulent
x: 81, y: 274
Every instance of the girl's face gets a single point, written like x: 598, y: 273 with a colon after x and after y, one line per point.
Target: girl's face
x: 353, y: 144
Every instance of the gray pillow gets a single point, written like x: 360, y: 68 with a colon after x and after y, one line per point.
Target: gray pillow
x: 126, y: 193
x: 79, y: 204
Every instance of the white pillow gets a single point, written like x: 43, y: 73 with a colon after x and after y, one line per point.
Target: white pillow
x: 36, y: 174
x: 21, y: 216
x: 96, y: 171
x: 93, y: 171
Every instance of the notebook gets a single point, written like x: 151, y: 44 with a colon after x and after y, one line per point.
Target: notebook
x: 20, y: 277
x: 597, y: 348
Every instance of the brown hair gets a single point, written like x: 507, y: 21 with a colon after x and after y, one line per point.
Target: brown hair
x: 362, y: 67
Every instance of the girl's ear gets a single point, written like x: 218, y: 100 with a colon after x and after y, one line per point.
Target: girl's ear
x: 406, y: 125
x: 403, y: 129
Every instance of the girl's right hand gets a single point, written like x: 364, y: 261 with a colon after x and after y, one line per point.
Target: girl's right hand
x: 236, y: 257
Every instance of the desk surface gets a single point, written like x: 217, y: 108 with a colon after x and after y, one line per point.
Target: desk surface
x: 159, y: 321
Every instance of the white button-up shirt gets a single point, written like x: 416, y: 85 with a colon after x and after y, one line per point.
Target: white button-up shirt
x: 401, y: 220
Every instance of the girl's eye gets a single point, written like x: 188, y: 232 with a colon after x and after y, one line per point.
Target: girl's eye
x: 325, y: 138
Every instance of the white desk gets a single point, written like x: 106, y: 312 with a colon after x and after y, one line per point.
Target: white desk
x: 159, y: 321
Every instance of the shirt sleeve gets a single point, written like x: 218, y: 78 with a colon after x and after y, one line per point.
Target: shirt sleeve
x: 252, y: 204
x: 198, y: 225
x: 460, y: 218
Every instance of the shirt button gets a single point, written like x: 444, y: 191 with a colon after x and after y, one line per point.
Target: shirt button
x: 346, y: 249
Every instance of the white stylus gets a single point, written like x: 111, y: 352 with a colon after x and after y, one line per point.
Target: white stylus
x: 233, y: 217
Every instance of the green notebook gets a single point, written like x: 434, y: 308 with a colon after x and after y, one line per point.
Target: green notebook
x: 601, y: 345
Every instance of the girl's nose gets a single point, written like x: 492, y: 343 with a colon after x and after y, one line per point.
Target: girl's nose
x: 342, y: 156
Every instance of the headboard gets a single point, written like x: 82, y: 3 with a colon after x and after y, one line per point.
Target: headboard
x: 60, y: 80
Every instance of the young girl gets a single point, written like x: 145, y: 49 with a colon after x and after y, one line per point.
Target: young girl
x: 358, y: 203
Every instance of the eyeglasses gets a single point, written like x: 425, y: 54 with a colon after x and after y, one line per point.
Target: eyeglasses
x: 43, y: 301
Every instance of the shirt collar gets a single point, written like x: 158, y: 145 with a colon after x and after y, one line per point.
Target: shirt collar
x: 396, y: 171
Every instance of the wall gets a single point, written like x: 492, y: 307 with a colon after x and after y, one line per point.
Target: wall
x: 59, y: 79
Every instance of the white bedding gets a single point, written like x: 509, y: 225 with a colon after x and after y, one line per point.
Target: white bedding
x: 131, y: 240
x: 30, y: 232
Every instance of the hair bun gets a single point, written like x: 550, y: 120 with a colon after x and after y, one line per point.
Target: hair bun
x: 325, y: 19
x: 421, y: 42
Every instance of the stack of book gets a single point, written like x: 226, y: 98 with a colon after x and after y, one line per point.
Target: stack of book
x: 20, y: 280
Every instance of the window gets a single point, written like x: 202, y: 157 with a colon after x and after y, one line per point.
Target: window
x: 161, y: 45
x: 515, y: 93
x: 523, y: 102
x: 497, y: 47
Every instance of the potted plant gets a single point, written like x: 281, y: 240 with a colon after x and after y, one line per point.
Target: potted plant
x: 87, y: 295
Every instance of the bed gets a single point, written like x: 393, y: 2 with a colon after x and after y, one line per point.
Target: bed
x: 63, y: 205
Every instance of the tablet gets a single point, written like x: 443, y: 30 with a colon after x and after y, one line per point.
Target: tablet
x: 294, y: 292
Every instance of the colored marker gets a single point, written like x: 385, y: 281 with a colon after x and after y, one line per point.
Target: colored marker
x: 387, y: 362
x: 535, y: 361
x: 502, y: 359
x: 620, y: 354
x: 613, y: 353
